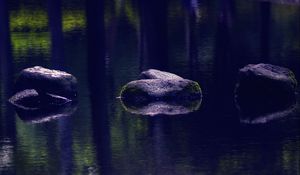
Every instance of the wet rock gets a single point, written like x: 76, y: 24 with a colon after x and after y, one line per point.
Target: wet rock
x: 162, y: 108
x: 157, y: 74
x: 47, y: 81
x: 160, y: 92
x: 264, y: 89
x: 144, y: 91
x: 34, y: 108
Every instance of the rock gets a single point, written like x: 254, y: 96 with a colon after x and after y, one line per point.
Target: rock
x: 162, y: 108
x: 264, y: 89
x: 144, y: 91
x: 157, y: 74
x: 161, y: 93
x: 47, y: 81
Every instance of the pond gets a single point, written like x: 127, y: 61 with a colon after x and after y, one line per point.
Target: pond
x: 106, y: 44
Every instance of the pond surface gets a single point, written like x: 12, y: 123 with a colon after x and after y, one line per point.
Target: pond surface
x: 107, y: 44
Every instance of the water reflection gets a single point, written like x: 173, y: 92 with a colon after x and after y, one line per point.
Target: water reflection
x: 56, y: 33
x: 97, y: 86
x: 153, y: 37
x: 265, y: 11
x: 192, y: 14
x: 162, y: 108
x: 7, y: 121
x: 206, y: 41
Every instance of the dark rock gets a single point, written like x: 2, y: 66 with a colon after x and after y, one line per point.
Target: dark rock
x: 162, y: 108
x: 47, y: 81
x: 157, y: 74
x: 263, y: 89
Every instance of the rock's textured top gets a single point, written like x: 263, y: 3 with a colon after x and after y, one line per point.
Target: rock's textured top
x: 157, y: 74
x: 41, y: 71
x: 47, y: 81
x: 269, y: 71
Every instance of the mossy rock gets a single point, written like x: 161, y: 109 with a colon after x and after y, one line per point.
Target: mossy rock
x: 160, y: 92
x: 143, y: 91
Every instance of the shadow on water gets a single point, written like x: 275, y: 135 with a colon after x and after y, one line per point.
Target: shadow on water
x: 153, y: 43
x: 58, y: 62
x: 226, y: 61
x: 265, y: 20
x: 56, y: 32
x: 97, y: 84
x: 191, y: 34
x: 7, y: 120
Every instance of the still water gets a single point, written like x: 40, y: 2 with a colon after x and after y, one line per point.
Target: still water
x: 107, y: 44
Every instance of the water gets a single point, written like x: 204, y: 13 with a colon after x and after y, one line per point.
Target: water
x: 107, y: 44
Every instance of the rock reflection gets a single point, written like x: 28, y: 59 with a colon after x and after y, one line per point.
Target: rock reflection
x: 162, y: 107
x: 45, y: 114
x: 259, y: 118
x: 6, y: 154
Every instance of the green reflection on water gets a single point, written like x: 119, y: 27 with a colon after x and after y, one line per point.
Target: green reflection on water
x: 36, y: 20
x: 84, y: 156
x: 73, y: 20
x: 30, y: 34
x: 131, y: 14
x: 30, y: 44
x: 285, y: 36
x: 291, y: 156
x: 36, y: 150
x: 26, y: 19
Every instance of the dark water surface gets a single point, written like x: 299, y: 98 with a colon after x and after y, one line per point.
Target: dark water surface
x: 106, y: 44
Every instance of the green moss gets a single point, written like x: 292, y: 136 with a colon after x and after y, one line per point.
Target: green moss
x: 193, y: 88
x: 131, y: 91
x: 133, y: 96
x: 293, y: 78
